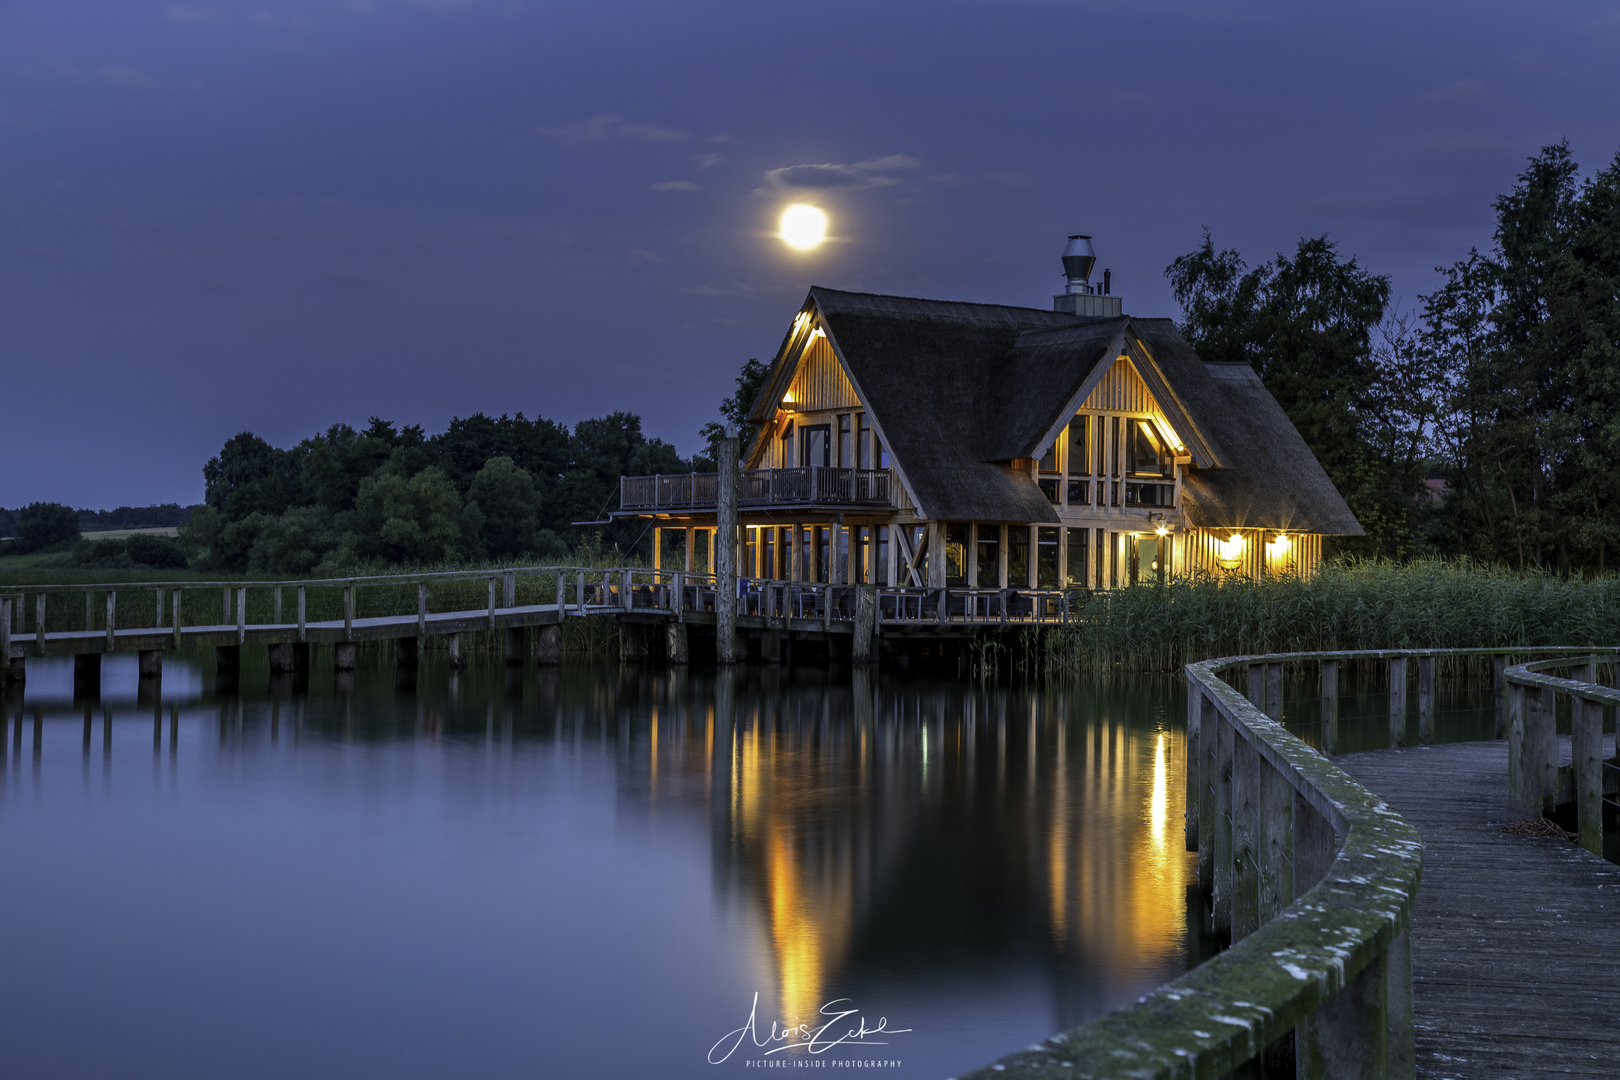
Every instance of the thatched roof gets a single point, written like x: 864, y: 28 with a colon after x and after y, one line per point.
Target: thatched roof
x: 960, y: 390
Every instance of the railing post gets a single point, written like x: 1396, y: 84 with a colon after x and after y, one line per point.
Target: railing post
x: 1349, y: 1035
x: 1276, y: 842
x: 39, y: 621
x: 679, y: 599
x: 5, y: 644
x: 1518, y: 788
x: 509, y: 589
x: 421, y: 608
x: 225, y: 606
x: 112, y: 617
x: 1255, y: 689
x: 1545, y: 743
x: 176, y: 595
x: 241, y: 614
x: 276, y: 616
x: 1330, y: 706
x: 723, y: 556
x: 302, y: 633
x: 579, y: 592
x: 562, y: 595
x: 1586, y: 754
x: 1397, y: 701
x: 1195, y: 711
x: 1274, y: 694
x: 1222, y: 875
x: 159, y: 598
x: 626, y: 596
x: 1245, y: 838
x: 1425, y: 700
x: 492, y: 582
x: 1208, y: 810
x: 1499, y: 682
x: 348, y: 611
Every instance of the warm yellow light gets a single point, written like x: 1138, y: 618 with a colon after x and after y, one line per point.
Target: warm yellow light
x: 803, y: 227
x: 1163, y: 530
x: 1282, y: 541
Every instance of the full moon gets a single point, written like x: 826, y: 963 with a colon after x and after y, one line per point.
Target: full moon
x: 803, y: 227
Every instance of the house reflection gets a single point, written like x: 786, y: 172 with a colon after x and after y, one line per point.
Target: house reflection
x: 878, y: 831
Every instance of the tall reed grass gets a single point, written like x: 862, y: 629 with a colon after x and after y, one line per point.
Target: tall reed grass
x: 1359, y: 605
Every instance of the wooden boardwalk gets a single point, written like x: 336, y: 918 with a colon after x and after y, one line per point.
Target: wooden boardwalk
x: 1514, y: 963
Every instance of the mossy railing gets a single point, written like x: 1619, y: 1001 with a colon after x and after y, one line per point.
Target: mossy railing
x: 1312, y: 875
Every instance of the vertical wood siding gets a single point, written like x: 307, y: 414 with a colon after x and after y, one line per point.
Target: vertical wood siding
x: 820, y: 382
x: 1123, y: 391
x: 1199, y: 552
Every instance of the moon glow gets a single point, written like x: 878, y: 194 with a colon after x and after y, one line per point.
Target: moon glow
x: 803, y: 227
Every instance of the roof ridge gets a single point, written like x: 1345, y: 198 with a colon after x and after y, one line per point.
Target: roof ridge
x: 931, y: 300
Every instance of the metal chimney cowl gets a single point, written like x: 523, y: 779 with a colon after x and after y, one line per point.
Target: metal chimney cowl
x: 1079, y: 297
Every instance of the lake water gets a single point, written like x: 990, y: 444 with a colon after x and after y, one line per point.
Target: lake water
x: 591, y: 873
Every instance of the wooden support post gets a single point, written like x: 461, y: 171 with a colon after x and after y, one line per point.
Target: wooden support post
x: 1256, y: 687
x: 509, y: 589
x: 1397, y: 701
x: 421, y: 608
x: 348, y: 611
x: 1274, y: 694
x: 1246, y: 811
x: 89, y: 610
x: 492, y: 585
x: 225, y: 606
x: 407, y: 653
x: 548, y: 646
x: 158, y: 622
x: 112, y: 617
x: 176, y: 618
x: 579, y: 592
x: 39, y: 621
x: 1330, y: 706
x: 1276, y: 842
x: 452, y: 649
x: 627, y: 595
x: 1208, y: 810
x: 276, y: 614
x: 150, y: 664
x: 344, y: 655
x: 860, y: 650
x: 562, y: 595
x: 1195, y: 712
x: 241, y: 615
x: 1586, y: 746
x: 723, y: 554
x: 675, y: 644
x: 657, y: 548
x: 282, y: 660
x: 1315, y: 844
x: 514, y: 646
x: 87, y: 675
x: 1499, y: 683
x: 302, y: 632
x: 1425, y: 700
x: 1222, y: 854
x: 5, y: 647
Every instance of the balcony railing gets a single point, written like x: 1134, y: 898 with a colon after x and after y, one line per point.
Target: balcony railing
x: 807, y: 486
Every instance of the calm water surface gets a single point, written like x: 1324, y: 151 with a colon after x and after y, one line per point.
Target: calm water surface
x: 586, y: 873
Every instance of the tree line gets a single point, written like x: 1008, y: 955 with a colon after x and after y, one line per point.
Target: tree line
x: 1483, y: 423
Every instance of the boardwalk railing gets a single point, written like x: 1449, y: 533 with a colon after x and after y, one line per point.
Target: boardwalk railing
x: 40, y: 620
x: 1536, y: 783
x: 804, y: 486
x: 1312, y: 875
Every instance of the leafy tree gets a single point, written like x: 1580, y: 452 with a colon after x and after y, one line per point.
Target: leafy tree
x: 408, y: 520
x: 508, y: 509
x: 294, y: 543
x: 734, y: 409
x: 1309, y: 325
x: 42, y: 525
x: 605, y: 449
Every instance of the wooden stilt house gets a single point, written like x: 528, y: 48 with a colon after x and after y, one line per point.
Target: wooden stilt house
x: 932, y: 443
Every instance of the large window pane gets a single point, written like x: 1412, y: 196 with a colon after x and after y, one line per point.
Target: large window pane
x: 956, y: 553
x: 1046, y: 557
x: 1079, y: 447
x: 1018, y: 557
x: 989, y: 568
x: 1077, y: 562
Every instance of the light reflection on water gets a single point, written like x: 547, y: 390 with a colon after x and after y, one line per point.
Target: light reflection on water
x: 582, y: 873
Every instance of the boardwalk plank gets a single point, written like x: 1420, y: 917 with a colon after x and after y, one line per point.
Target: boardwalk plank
x: 1516, y: 970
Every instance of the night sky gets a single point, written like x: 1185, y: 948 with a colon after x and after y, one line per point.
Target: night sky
x: 278, y: 216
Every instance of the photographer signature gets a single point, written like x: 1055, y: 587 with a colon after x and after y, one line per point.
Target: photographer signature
x: 817, y: 1040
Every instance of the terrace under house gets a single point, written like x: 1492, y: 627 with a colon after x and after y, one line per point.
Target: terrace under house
x: 939, y: 444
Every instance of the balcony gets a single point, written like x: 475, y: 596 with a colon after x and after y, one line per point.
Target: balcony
x: 814, y: 485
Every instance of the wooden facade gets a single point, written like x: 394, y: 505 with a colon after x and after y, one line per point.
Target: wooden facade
x: 1099, y: 495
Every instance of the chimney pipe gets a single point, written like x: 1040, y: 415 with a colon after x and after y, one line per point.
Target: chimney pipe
x: 1108, y: 283
x: 1078, y: 259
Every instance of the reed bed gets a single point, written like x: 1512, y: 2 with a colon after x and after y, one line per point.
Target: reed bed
x: 1357, y: 605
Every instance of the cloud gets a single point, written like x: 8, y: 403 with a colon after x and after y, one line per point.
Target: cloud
x: 708, y: 161
x: 642, y: 257
x: 610, y: 126
x: 1456, y: 90
x: 121, y: 73
x: 677, y: 185
x: 862, y: 174
x: 181, y: 14
x: 724, y: 139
